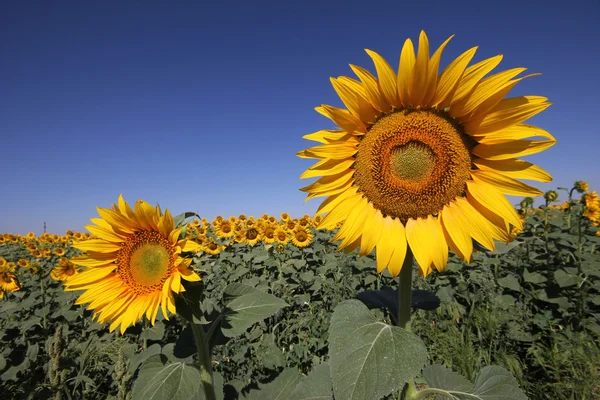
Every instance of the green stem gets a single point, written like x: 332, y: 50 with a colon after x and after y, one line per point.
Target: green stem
x: 404, y: 294
x: 205, y: 361
x: 582, y: 283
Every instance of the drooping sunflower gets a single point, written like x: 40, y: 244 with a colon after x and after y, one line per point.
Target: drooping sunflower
x: 134, y: 266
x: 64, y: 270
x: 8, y: 282
x: 422, y: 160
x: 301, y: 236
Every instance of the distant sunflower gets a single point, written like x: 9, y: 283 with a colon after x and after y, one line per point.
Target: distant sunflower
x: 64, y: 270
x: 268, y: 233
x: 281, y: 235
x: 284, y: 217
x: 224, y: 229
x: 2, y: 262
x: 251, y: 235
x: 11, y: 266
x: 422, y: 161
x: 134, y: 266
x: 301, y: 236
x: 211, y: 247
x: 290, y: 225
x: 30, y: 236
x: 23, y: 263
x: 59, y: 251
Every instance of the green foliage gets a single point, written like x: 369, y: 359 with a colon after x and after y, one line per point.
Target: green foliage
x: 532, y: 307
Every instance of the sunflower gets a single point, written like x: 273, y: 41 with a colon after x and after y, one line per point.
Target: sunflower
x: 211, y: 247
x: 224, y: 229
x: 281, y: 235
x: 301, y: 236
x: 64, y: 270
x: 422, y: 161
x: 3, y: 262
x: 267, y: 233
x: 285, y: 217
x: 134, y: 266
x: 30, y: 235
x: 23, y: 263
x: 8, y: 282
x: 59, y: 251
x: 316, y: 221
x: 290, y: 225
x: 251, y: 235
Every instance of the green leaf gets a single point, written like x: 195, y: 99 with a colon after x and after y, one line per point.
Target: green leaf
x: 246, y: 306
x: 510, y: 282
x: 179, y: 219
x: 279, y: 389
x: 492, y: 383
x: 171, y: 381
x: 368, y: 358
x: 564, y: 279
x: 155, y: 333
x: 533, y: 277
x: 440, y: 377
x: 315, y: 386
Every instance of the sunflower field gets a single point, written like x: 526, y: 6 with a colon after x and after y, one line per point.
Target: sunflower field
x: 505, y: 303
x: 532, y: 307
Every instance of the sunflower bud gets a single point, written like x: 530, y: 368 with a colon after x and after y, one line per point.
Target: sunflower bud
x: 550, y: 196
x: 581, y: 186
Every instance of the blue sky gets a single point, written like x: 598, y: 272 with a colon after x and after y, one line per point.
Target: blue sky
x: 203, y: 107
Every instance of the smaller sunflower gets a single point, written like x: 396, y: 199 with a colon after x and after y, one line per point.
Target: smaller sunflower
x: 11, y: 266
x: 251, y: 235
x: 268, y: 233
x: 282, y: 236
x: 301, y: 236
x: 59, y: 251
x: 2, y: 262
x: 285, y: 217
x: 64, y: 270
x: 224, y: 229
x: 9, y: 282
x: 211, y: 247
x: 30, y: 235
x: 23, y: 263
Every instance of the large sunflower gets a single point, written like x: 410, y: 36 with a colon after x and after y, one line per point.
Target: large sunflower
x: 134, y: 265
x: 422, y: 161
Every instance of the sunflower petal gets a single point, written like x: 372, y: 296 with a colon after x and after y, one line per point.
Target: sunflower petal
x: 340, y: 211
x: 386, y: 244
x: 505, y: 184
x: 405, y: 72
x: 507, y: 113
x: 372, y: 230
x: 516, y: 132
x: 398, y: 232
x: 488, y: 196
x: 432, y: 73
x: 450, y: 77
x: 342, y: 118
x: 387, y: 78
x: 327, y: 167
x: 332, y: 201
x: 508, y: 149
x: 325, y: 136
x: 371, y: 86
x: 517, y: 169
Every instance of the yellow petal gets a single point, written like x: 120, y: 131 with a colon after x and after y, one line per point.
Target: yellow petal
x: 432, y: 73
x: 190, y: 245
x: 507, y: 149
x: 418, y: 80
x: 336, y: 151
x: 484, y: 90
x: 356, y: 103
x: 451, y: 76
x: 507, y: 113
x: 405, y: 72
x: 325, y: 136
x: 332, y: 201
x: 99, y: 245
x: 517, y: 169
x: 106, y: 234
x: 342, y: 118
x: 505, y: 184
x: 472, y: 77
x: 353, y: 225
x: 371, y: 86
x: 417, y: 235
x: 87, y: 261
x: 340, y: 212
x: 398, y: 234
x: 88, y: 276
x: 372, y: 230
x: 387, y: 78
x: 328, y: 183
x: 327, y: 167
x: 477, y: 224
x: 516, y: 132
x: 497, y: 226
x: 456, y: 232
x: 386, y: 244
x: 488, y: 196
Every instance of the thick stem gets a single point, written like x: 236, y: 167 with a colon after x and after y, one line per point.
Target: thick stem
x: 404, y: 293
x: 205, y: 361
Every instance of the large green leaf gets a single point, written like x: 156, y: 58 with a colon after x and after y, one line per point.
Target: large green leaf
x: 492, y: 383
x: 279, y: 389
x: 564, y: 279
x: 246, y: 306
x: 315, y: 386
x: 368, y: 358
x: 510, y: 282
x: 157, y: 381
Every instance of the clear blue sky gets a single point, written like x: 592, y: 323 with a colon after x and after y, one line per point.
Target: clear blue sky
x: 201, y: 106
